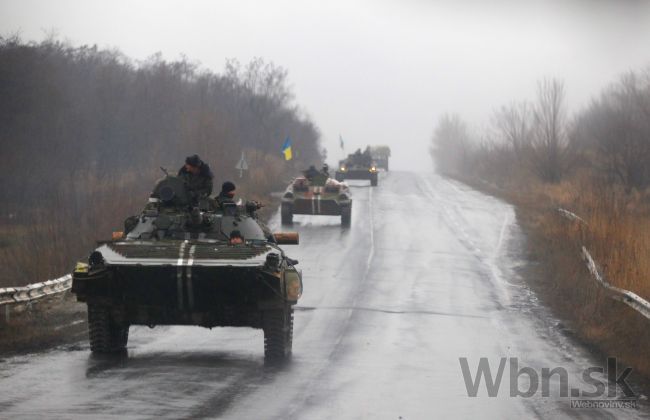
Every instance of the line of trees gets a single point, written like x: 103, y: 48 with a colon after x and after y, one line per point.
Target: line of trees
x: 610, y: 139
x: 83, y: 132
x: 69, y: 110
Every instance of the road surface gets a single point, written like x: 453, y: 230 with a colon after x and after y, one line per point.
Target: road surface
x: 430, y: 272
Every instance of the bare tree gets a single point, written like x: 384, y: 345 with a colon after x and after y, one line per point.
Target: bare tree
x: 513, y: 126
x: 616, y: 128
x: 450, y: 145
x: 549, y: 139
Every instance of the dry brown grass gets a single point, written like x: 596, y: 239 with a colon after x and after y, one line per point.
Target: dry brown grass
x: 44, y: 243
x: 617, y: 232
x: 618, y: 236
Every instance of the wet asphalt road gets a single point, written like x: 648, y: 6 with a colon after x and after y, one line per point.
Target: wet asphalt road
x: 429, y: 272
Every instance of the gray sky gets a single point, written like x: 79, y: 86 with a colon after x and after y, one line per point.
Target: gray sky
x: 378, y: 72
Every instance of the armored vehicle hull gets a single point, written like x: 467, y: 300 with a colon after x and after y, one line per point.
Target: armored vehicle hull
x: 358, y: 165
x: 170, y: 270
x: 325, y: 197
x: 369, y: 174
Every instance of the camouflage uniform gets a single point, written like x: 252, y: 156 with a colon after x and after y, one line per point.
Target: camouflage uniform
x: 311, y: 172
x: 362, y: 159
x: 226, y: 196
x: 224, y: 199
x: 199, y: 186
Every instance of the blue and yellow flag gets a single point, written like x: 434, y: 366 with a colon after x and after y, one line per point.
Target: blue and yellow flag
x: 286, y: 149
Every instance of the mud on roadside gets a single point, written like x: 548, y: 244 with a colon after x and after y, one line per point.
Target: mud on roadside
x: 42, y: 324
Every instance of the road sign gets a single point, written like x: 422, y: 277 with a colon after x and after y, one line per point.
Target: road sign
x: 242, y: 165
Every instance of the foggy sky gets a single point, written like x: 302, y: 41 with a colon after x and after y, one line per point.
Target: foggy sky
x: 378, y: 72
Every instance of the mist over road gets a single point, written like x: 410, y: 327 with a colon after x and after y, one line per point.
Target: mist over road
x: 429, y: 272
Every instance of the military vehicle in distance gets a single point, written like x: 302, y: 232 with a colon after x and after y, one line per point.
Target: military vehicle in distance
x: 380, y: 155
x: 358, y: 165
x: 178, y: 264
x: 316, y: 193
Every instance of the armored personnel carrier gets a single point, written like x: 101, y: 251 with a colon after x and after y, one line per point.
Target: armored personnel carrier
x: 316, y: 193
x: 190, y: 263
x: 358, y: 165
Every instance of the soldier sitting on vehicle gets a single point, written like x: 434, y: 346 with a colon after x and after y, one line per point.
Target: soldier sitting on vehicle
x: 198, y: 177
x: 356, y: 157
x: 362, y: 158
x: 227, y: 194
x: 313, y: 177
x: 311, y: 173
x: 235, y: 238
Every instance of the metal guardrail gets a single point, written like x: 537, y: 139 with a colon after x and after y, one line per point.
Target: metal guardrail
x: 631, y: 299
x: 571, y: 216
x: 31, y: 292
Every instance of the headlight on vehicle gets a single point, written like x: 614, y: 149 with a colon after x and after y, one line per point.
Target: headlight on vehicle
x: 81, y: 267
x: 293, y: 283
x: 373, y: 169
x: 343, y: 168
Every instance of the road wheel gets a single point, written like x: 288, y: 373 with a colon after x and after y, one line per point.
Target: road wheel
x: 374, y: 180
x: 106, y: 336
x: 286, y: 214
x: 278, y: 334
x: 346, y: 216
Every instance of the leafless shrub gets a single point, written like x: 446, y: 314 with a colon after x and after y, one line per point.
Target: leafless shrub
x: 615, y: 132
x: 512, y: 125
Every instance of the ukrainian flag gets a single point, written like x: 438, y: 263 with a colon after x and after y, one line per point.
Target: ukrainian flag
x: 286, y: 149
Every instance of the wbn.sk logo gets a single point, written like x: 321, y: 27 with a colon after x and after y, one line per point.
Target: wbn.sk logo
x: 601, y: 387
